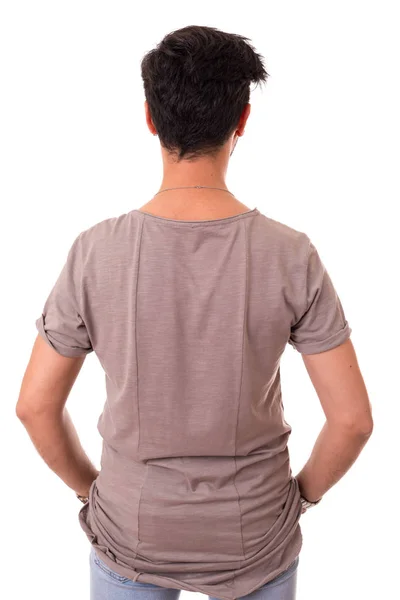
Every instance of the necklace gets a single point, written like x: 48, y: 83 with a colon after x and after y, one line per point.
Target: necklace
x: 193, y: 186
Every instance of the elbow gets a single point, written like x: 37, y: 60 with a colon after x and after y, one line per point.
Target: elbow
x: 366, y: 429
x: 27, y: 411
x: 21, y: 412
x: 31, y: 410
x: 361, y: 428
x: 354, y: 427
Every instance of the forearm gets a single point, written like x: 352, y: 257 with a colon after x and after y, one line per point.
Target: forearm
x: 335, y: 450
x: 55, y: 438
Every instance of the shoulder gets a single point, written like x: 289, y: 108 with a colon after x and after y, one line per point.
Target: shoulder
x: 282, y: 237
x: 107, y: 242
x: 109, y: 233
x: 107, y: 228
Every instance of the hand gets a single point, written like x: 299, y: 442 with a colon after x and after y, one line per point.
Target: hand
x: 85, y: 492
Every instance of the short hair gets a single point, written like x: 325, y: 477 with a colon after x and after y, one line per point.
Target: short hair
x: 197, y: 83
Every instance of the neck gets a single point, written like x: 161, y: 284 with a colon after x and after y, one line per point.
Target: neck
x: 205, y: 171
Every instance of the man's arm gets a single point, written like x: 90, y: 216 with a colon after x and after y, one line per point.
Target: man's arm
x: 45, y: 387
x: 339, y: 384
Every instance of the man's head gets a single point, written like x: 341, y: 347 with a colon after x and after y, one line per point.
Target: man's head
x: 197, y: 88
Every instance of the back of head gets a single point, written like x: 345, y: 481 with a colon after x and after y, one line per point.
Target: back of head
x: 197, y: 83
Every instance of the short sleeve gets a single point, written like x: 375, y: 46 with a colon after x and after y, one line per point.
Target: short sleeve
x: 323, y: 324
x: 61, y: 324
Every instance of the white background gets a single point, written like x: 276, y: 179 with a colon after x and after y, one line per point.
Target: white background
x: 320, y: 153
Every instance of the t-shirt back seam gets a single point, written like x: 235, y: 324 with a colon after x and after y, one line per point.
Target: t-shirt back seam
x: 240, y: 385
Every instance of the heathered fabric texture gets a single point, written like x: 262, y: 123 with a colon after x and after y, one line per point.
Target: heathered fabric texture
x: 189, y: 320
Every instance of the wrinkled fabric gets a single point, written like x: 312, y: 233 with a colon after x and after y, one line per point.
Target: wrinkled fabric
x: 106, y: 584
x: 189, y: 320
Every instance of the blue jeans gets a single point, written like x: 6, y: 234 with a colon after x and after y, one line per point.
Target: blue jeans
x: 105, y: 584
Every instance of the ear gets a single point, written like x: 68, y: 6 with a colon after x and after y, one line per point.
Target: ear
x: 243, y: 120
x: 149, y: 122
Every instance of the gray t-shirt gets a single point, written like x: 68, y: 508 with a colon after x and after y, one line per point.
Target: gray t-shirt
x: 189, y: 320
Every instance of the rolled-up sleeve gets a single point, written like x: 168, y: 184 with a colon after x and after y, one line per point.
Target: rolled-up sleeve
x: 323, y: 324
x: 61, y: 323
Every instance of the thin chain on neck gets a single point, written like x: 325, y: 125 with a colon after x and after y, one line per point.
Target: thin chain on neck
x: 194, y: 186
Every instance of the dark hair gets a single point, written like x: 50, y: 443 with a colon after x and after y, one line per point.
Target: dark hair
x: 197, y: 82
